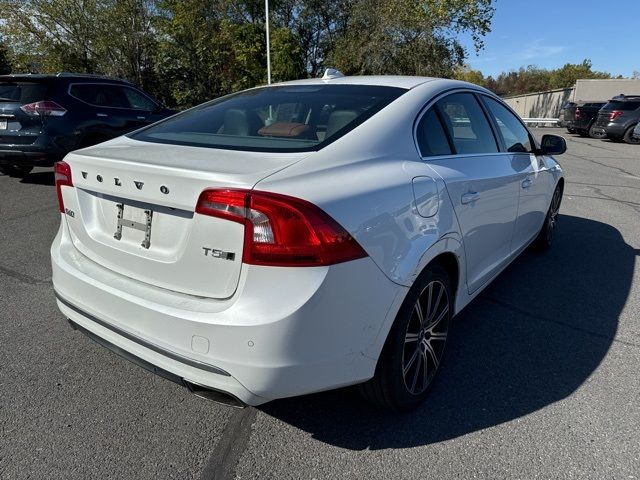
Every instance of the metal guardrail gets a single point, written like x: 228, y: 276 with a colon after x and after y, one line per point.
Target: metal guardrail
x: 553, y: 121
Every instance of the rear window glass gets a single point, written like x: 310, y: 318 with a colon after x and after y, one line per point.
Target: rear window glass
x: 278, y: 119
x: 23, y: 92
x: 622, y: 105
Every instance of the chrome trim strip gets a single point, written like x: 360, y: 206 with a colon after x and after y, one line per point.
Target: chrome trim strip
x: 144, y: 343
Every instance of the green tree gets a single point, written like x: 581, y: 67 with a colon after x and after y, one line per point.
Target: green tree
x: 111, y: 37
x: 466, y: 74
x: 5, y: 61
x: 566, y: 76
x: 414, y: 37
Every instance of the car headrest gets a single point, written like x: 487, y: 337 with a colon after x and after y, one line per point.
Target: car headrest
x: 339, y: 119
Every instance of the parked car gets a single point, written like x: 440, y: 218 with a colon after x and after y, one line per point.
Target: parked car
x: 44, y: 117
x: 617, y: 119
x: 303, y: 236
x: 566, y: 116
x: 584, y: 118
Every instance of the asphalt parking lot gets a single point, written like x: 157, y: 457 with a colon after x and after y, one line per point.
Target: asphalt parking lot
x: 540, y: 380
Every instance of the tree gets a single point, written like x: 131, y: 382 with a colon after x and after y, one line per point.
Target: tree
x: 466, y: 74
x: 413, y: 37
x: 566, y: 76
x: 111, y: 37
x: 5, y: 61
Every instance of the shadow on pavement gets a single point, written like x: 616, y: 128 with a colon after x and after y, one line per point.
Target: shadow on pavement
x: 39, y: 178
x: 529, y: 340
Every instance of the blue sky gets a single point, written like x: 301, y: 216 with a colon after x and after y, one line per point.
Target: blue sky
x: 550, y: 33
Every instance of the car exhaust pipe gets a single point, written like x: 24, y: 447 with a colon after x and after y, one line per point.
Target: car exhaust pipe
x: 216, y: 396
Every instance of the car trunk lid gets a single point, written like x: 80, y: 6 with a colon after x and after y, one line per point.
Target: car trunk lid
x: 132, y: 211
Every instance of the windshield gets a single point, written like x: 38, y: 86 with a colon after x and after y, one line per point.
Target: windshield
x: 274, y: 119
x: 23, y: 92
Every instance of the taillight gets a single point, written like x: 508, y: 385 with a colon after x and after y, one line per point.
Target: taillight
x: 281, y: 230
x: 577, y: 115
x: 615, y: 114
x: 44, y: 107
x: 63, y: 178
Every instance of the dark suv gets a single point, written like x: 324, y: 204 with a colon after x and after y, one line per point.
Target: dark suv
x: 584, y: 118
x: 618, y: 118
x: 44, y: 117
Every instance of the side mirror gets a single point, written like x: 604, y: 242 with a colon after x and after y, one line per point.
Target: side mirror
x: 553, y: 145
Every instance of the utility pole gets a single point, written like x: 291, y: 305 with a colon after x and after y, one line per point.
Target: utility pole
x: 266, y: 16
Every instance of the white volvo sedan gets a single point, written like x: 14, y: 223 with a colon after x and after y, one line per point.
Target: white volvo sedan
x: 303, y: 236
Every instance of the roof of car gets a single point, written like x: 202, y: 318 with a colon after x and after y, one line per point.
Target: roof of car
x: 399, y: 81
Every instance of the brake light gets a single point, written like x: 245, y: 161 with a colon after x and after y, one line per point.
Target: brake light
x: 44, y: 107
x: 615, y: 114
x: 281, y: 230
x: 577, y: 115
x: 63, y: 179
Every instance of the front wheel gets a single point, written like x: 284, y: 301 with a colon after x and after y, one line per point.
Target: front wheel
x: 414, y: 348
x: 19, y: 171
x: 545, y: 238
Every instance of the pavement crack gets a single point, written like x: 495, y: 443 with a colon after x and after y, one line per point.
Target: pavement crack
x: 22, y: 277
x: 513, y: 308
x: 231, y: 446
x: 621, y: 170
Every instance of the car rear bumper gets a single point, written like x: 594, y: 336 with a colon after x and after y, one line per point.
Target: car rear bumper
x: 611, y: 130
x: 41, y: 152
x: 285, y: 332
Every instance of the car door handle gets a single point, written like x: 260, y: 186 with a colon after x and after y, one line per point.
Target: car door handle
x: 470, y: 197
x: 101, y: 115
x: 527, y: 182
x: 142, y: 118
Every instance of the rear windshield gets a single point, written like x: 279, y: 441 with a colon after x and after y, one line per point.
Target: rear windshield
x: 23, y: 92
x: 614, y: 105
x: 274, y: 119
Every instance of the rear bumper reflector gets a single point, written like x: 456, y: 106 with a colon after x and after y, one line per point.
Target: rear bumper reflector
x: 140, y: 341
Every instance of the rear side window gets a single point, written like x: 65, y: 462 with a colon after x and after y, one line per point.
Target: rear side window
x: 467, y: 124
x: 515, y: 135
x: 432, y: 140
x: 625, y: 106
x: 23, y: 92
x: 286, y: 118
x: 100, y: 95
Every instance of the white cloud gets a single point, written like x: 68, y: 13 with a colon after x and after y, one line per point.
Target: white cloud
x: 537, y: 49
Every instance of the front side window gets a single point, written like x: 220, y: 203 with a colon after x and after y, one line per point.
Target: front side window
x: 280, y: 119
x: 138, y: 101
x: 515, y: 135
x: 467, y: 124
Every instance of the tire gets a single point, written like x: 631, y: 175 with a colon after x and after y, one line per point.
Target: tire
x: 545, y: 238
x: 596, y: 134
x: 628, y: 136
x: 18, y: 171
x: 417, y: 338
x: 571, y: 130
x: 583, y: 133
